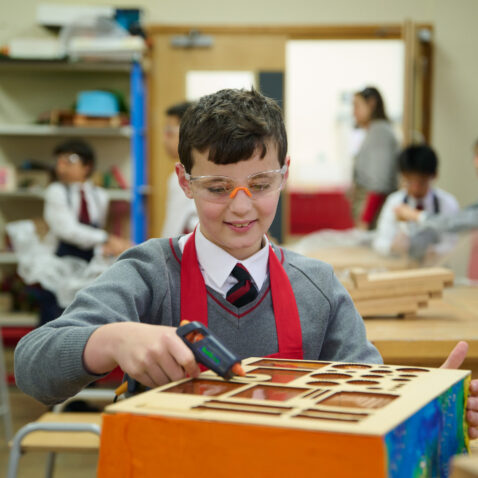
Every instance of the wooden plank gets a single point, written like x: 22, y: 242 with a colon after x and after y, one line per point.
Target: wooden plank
x: 362, y: 280
x: 363, y: 294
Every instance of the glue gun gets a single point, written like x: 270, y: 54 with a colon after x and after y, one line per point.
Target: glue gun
x: 208, y: 350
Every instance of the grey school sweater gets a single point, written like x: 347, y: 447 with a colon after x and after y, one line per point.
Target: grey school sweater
x: 144, y: 286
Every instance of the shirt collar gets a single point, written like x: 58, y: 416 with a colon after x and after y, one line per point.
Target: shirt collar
x: 218, y: 264
x: 427, y: 200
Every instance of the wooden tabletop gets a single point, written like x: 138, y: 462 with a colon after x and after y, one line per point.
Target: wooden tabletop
x: 345, y: 257
x: 428, y: 338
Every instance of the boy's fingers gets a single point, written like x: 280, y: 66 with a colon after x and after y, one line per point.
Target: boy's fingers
x: 472, y: 418
x: 457, y: 356
x: 146, y: 380
x: 472, y: 403
x: 184, y: 357
x: 474, y: 387
x: 157, y: 375
x: 171, y: 368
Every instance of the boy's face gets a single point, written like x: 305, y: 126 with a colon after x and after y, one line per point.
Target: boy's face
x: 238, y: 224
x: 70, y: 169
x: 417, y: 184
x: 171, y: 136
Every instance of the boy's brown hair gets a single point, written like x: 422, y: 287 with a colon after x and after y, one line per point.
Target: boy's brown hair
x: 232, y: 124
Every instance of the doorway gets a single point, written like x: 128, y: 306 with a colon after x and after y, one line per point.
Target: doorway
x: 260, y: 52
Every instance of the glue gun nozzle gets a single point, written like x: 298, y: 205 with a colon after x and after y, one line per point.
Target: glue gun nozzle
x: 238, y: 370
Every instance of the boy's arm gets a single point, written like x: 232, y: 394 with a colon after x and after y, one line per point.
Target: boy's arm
x: 345, y: 339
x: 50, y: 364
x: 432, y: 228
x: 151, y: 354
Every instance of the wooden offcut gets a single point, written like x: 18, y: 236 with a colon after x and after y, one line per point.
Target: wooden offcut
x: 397, y: 293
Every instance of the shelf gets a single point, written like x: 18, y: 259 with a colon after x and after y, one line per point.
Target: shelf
x: 8, y: 258
x: 18, y: 319
x: 119, y: 194
x: 9, y: 64
x: 49, y: 130
x: 113, y: 194
x: 23, y: 194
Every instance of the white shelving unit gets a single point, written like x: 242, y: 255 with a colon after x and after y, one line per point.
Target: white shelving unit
x: 37, y: 193
x: 8, y: 258
x: 27, y: 90
x: 69, y: 131
x: 18, y: 319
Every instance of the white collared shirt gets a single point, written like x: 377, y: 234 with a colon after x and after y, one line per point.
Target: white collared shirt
x: 216, y: 264
x: 61, y: 209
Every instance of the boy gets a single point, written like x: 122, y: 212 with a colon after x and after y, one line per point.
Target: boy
x: 232, y: 149
x: 181, y: 216
x: 432, y: 227
x: 75, y: 211
x: 418, y: 166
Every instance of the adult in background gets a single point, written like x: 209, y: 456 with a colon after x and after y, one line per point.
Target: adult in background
x: 375, y: 167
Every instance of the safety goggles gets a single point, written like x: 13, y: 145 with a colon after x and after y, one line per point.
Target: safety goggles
x: 221, y: 189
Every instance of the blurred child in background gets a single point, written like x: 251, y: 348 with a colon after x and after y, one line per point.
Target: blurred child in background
x: 75, y: 212
x: 181, y: 216
x: 418, y: 166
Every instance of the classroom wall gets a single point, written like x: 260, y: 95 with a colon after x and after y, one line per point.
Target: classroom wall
x: 455, y: 102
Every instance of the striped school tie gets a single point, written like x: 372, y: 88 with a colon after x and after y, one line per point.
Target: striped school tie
x: 244, y: 291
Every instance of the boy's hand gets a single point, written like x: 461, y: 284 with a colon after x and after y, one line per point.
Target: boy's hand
x: 406, y: 213
x: 116, y: 245
x: 151, y: 354
x: 400, y: 244
x: 454, y: 360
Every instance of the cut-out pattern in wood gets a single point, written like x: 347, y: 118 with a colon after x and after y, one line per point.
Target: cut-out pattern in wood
x: 412, y: 418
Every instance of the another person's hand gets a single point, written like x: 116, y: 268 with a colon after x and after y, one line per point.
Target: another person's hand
x: 404, y: 212
x: 455, y: 360
x: 116, y: 245
x: 151, y: 354
x: 400, y: 244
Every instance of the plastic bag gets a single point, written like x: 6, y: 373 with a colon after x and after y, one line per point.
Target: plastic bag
x: 37, y: 263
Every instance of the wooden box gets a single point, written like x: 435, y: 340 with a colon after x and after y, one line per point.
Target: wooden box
x: 291, y: 418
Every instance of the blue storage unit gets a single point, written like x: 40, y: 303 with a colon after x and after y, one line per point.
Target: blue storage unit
x: 138, y: 153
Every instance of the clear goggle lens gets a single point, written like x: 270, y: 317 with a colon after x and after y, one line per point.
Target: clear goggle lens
x: 223, y: 188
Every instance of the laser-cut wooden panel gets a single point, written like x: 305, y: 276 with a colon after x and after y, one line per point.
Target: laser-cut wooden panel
x: 411, y: 419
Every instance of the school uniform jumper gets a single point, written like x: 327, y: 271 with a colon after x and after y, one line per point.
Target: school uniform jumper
x: 144, y: 285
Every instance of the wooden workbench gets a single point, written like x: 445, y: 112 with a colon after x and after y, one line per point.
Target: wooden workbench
x: 428, y: 338
x: 344, y: 257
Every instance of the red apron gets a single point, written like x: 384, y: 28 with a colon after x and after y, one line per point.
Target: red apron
x: 194, y: 300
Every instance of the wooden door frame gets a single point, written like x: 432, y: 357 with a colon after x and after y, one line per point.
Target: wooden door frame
x: 298, y: 32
